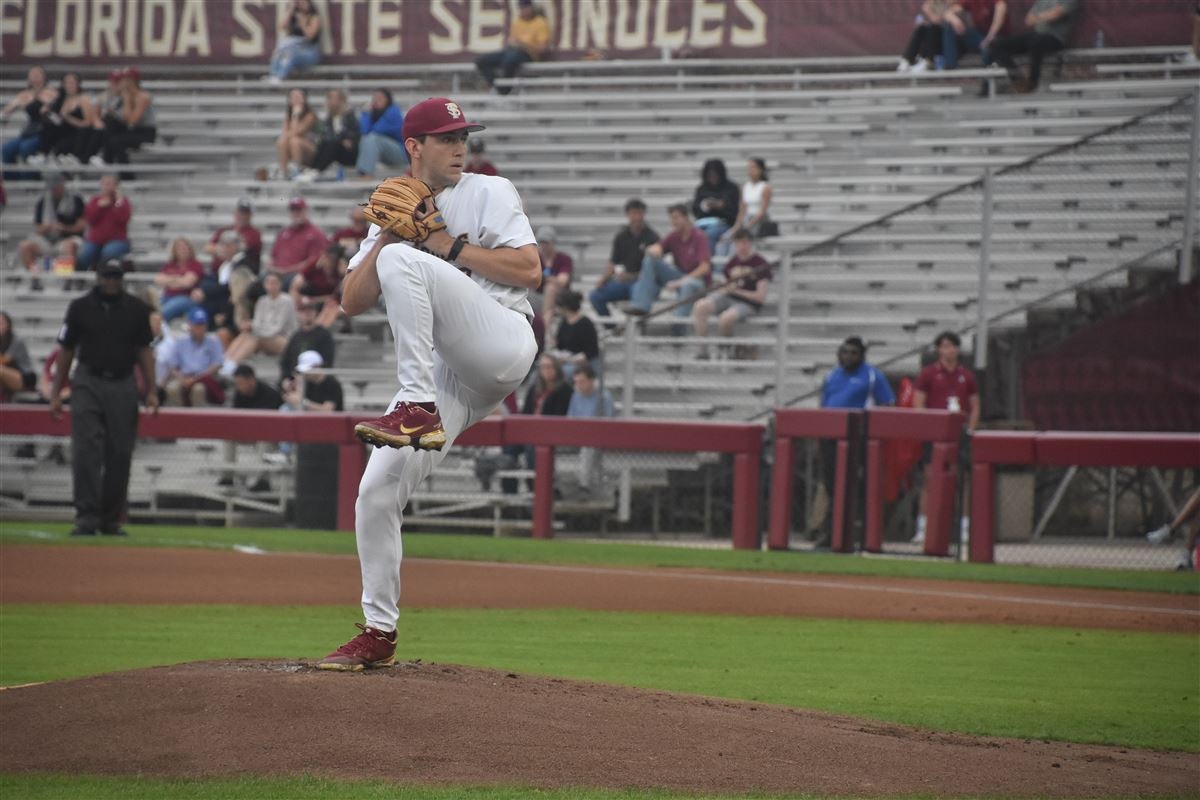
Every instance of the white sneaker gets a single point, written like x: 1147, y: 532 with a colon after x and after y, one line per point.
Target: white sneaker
x: 903, y: 66
x: 69, y: 160
x: 307, y: 176
x: 274, y: 80
x: 1184, y: 562
x: 1159, y: 535
x: 35, y: 159
x: 97, y: 161
x: 921, y: 66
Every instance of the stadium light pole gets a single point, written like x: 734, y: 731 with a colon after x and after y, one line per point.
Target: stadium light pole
x: 1186, y: 267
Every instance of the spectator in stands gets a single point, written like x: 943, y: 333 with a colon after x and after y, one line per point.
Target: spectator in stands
x: 1189, y: 513
x: 588, y: 399
x: 926, y: 41
x: 34, y: 99
x: 296, y: 145
x: 16, y: 367
x: 274, y: 321
x: 970, y: 26
x: 310, y: 336
x: 625, y: 261
x: 70, y: 134
x: 756, y: 200
x: 477, y: 161
x: 128, y: 118
x: 300, y: 45
x: 1050, y: 23
x: 250, y: 236
x: 178, y: 277
x: 297, y: 246
x: 107, y: 215
x: 312, y: 389
x: 382, y: 128
x: 193, y: 365
x: 690, y: 274
x: 549, y: 395
x: 338, y: 137
x: 352, y: 235
x: 251, y: 393
x: 528, y: 40
x: 946, y: 384
x: 322, y: 284
x: 223, y: 291
x: 747, y: 276
x: 57, y: 215
x: 111, y: 331
x: 577, y: 342
x: 557, y: 267
x: 1193, y: 55
x: 717, y: 204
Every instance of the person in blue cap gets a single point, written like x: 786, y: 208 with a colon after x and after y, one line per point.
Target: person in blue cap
x: 193, y: 365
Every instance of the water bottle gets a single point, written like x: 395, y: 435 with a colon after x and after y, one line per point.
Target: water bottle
x: 952, y: 404
x: 1099, y: 40
x: 939, y: 62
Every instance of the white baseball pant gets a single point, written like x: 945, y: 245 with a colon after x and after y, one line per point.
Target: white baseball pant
x: 455, y: 346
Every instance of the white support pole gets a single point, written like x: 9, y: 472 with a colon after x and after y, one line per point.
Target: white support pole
x: 1186, y: 268
x: 781, y: 334
x: 630, y: 350
x: 985, y: 268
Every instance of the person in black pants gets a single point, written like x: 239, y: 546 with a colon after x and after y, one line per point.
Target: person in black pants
x: 339, y: 137
x: 1050, y: 23
x: 111, y: 331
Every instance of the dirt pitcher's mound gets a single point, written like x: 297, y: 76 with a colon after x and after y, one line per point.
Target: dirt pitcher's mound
x: 430, y: 723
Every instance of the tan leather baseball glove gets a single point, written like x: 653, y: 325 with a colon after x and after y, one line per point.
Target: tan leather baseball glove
x: 405, y: 207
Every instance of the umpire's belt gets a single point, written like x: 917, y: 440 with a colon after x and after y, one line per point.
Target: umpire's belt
x: 107, y: 374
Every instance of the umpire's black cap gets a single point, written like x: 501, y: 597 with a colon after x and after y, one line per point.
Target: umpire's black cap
x: 112, y: 268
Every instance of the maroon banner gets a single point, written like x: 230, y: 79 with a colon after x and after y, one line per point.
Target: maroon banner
x: 424, y: 31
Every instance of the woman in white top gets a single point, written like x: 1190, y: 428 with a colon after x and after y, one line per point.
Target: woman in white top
x: 756, y: 199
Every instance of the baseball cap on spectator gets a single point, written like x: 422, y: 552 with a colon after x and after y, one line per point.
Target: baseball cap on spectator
x: 437, y: 115
x: 308, y: 361
x: 115, y: 75
x: 547, y: 234
x: 197, y: 316
x: 243, y: 371
x: 297, y: 204
x: 112, y: 267
x: 244, y: 204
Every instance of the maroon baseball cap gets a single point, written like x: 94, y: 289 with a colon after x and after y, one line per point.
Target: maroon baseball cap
x: 437, y: 115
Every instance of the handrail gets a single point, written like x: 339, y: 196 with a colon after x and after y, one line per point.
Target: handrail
x: 1014, y: 310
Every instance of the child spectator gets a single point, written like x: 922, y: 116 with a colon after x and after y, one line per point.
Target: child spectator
x: 299, y: 47
x: 382, y: 129
x: 295, y: 145
x: 338, y: 139
x: 528, y: 40
x: 177, y: 279
x: 274, y: 321
x: 107, y: 215
x: 193, y: 365
x: 58, y: 215
x: 747, y: 276
x: 128, y: 119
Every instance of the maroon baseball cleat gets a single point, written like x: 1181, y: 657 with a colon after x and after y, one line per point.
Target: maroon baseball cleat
x: 371, y: 648
x: 408, y: 425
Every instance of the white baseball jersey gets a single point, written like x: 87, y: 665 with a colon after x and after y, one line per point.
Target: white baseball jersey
x: 489, y: 211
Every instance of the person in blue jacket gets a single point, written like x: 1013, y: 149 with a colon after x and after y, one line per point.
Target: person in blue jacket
x: 381, y: 125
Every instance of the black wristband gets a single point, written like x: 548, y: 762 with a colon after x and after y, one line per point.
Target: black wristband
x: 456, y: 248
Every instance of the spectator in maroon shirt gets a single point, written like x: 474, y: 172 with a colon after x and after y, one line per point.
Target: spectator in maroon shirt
x: 351, y: 236
x: 477, y: 161
x: 297, y: 247
x: 946, y: 384
x: 322, y: 283
x: 557, y: 267
x: 177, y: 278
x: 107, y: 216
x: 747, y: 276
x: 690, y: 274
x: 250, y: 236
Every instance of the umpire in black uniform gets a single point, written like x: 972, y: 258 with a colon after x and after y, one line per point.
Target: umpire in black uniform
x: 110, y: 329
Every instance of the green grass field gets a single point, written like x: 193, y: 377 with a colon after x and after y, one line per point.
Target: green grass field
x: 529, y: 551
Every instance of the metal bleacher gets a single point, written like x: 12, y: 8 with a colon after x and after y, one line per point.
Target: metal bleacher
x: 846, y: 143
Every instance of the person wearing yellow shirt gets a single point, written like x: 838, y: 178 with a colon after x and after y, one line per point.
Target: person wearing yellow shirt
x: 528, y: 40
